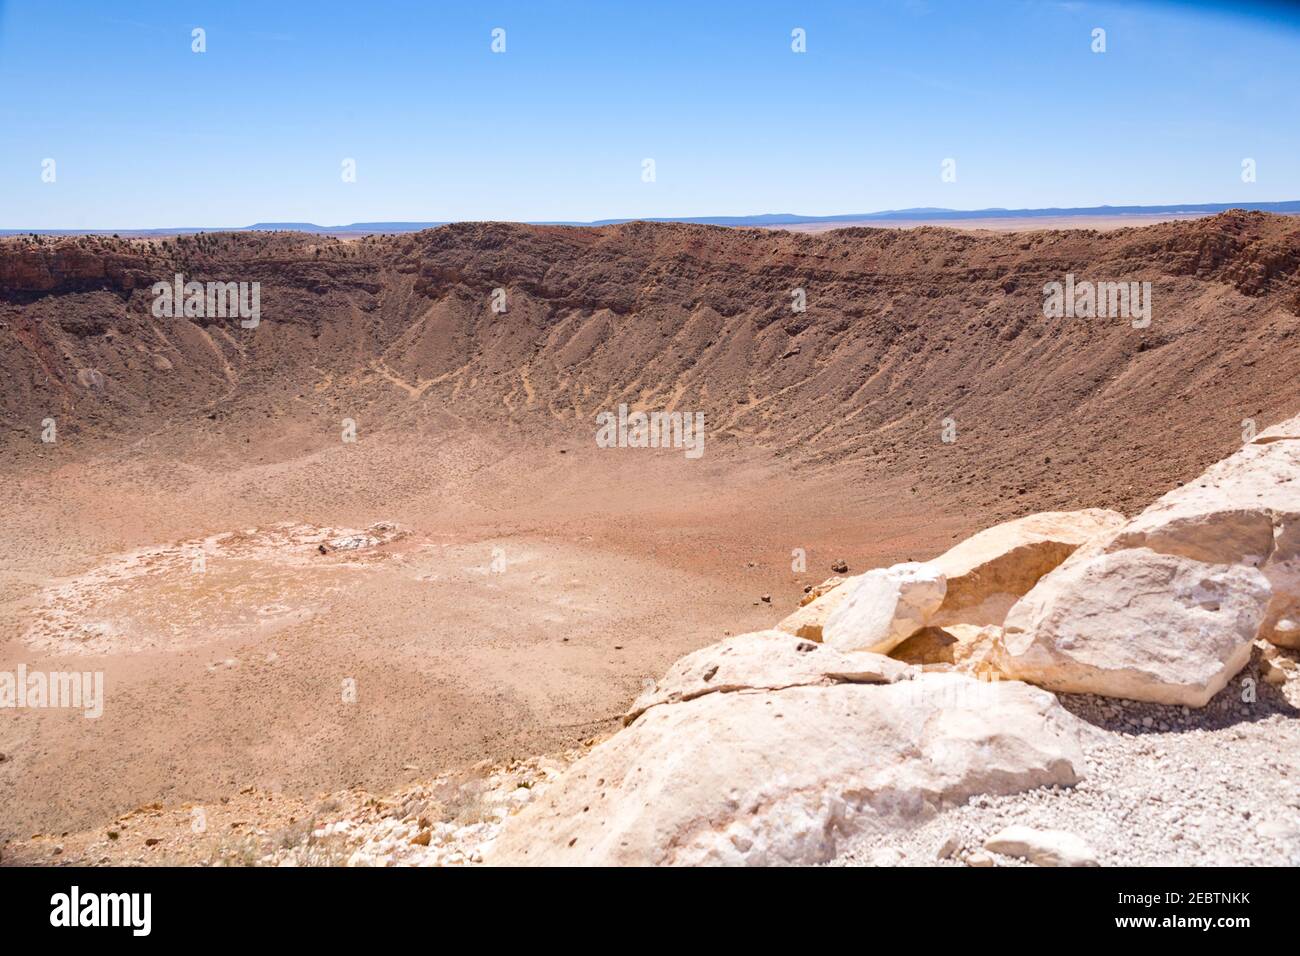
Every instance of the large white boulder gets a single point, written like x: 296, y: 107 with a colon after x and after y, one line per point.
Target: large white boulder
x: 1136, y: 624
x: 764, y: 660
x: 1242, y: 510
x: 783, y: 776
x: 1232, y: 514
x: 1166, y: 608
x: 988, y: 572
x: 884, y: 607
x: 982, y: 577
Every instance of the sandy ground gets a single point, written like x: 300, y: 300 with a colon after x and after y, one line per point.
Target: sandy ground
x: 497, y: 611
x: 479, y: 603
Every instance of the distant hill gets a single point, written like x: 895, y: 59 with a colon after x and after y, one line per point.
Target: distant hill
x: 763, y: 220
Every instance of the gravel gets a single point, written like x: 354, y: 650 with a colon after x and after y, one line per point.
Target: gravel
x: 1163, y: 786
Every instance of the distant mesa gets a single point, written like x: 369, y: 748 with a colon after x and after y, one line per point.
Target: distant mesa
x: 923, y: 214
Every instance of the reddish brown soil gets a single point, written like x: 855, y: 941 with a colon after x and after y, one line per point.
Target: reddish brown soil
x: 476, y: 432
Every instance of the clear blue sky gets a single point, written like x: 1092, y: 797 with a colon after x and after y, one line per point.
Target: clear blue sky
x: 146, y: 133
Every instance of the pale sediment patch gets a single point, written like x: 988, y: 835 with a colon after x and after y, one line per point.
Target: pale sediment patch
x: 198, y: 591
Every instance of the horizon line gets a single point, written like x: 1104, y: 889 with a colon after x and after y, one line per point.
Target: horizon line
x: 920, y: 213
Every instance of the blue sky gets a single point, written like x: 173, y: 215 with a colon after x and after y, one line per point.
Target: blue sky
x: 146, y: 133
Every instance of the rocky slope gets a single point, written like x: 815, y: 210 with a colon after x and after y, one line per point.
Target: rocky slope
x: 902, y: 330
